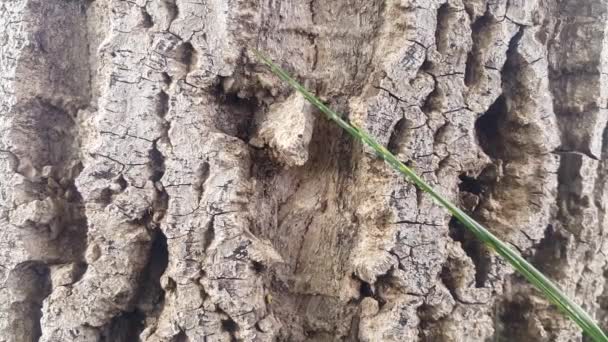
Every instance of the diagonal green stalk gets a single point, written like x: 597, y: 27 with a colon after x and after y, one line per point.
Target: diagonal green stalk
x: 534, y: 276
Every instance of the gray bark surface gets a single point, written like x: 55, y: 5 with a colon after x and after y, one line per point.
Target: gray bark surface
x: 157, y: 183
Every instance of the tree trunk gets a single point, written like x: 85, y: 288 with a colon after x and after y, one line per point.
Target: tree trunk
x: 157, y: 183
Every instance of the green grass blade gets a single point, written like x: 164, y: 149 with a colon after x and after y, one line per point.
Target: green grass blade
x: 534, y: 276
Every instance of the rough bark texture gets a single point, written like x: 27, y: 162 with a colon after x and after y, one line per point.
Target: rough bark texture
x: 158, y: 184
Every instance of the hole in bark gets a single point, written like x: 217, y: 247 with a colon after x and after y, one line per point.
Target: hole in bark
x: 181, y: 337
x: 456, y: 232
x: 146, y: 19
x: 470, y: 11
x: 31, y: 281
x: 603, y: 303
x: 162, y: 105
x: 514, y: 312
x: 265, y: 168
x: 121, y: 182
x: 374, y: 291
x: 257, y: 266
x: 238, y: 113
x: 159, y: 258
x: 202, y: 173
x: 187, y: 55
x: 474, y: 250
x: 124, y: 328
x: 426, y: 66
x: 156, y: 164
x: 432, y: 99
x: 103, y: 174
x: 470, y: 184
x: 167, y: 79
x: 80, y: 270
x: 46, y: 134
x: 442, y: 27
x: 513, y: 58
x: 366, y: 290
x: 487, y: 128
x: 513, y: 322
x: 171, y: 8
x: 397, y: 135
x: 551, y: 250
x: 448, y: 280
x: 240, y: 252
x: 105, y: 197
x: 150, y: 294
x: 209, y: 233
x: 473, y: 67
x: 604, y: 152
x: 472, y: 70
x: 423, y: 313
x: 229, y: 325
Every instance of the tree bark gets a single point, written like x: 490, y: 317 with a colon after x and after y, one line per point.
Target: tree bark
x: 157, y: 183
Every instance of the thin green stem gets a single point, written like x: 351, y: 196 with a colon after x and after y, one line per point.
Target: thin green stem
x: 534, y: 276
